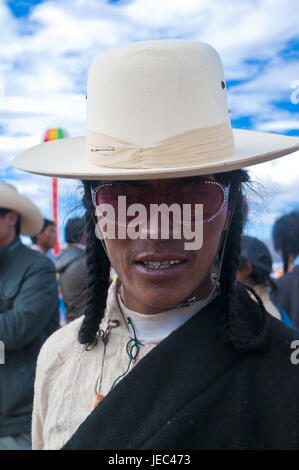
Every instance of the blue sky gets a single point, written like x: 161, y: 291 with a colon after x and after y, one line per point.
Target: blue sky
x: 47, y: 46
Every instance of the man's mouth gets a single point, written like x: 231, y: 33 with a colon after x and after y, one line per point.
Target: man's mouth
x: 160, y: 264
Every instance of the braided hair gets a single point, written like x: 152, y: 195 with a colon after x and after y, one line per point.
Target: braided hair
x: 237, y: 330
x: 286, y: 237
x: 99, y: 271
x: 98, y: 276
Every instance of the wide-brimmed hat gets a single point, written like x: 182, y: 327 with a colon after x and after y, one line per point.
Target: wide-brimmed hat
x: 31, y: 218
x: 155, y: 109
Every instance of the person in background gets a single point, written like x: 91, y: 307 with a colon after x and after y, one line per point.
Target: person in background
x: 72, y: 269
x: 28, y: 314
x: 255, y: 266
x: 286, y: 242
x: 45, y: 240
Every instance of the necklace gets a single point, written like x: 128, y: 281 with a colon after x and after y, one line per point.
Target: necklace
x: 132, y: 349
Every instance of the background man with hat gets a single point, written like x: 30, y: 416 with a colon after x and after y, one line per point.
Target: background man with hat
x: 28, y: 313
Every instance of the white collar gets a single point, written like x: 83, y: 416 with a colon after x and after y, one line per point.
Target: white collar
x: 154, y: 328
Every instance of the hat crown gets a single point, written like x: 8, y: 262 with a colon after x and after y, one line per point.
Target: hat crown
x: 145, y: 92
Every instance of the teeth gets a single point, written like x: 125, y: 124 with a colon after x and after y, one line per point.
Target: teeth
x: 160, y: 265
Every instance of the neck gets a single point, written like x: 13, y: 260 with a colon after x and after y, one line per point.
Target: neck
x: 132, y: 303
x: 44, y: 248
x: 8, y: 239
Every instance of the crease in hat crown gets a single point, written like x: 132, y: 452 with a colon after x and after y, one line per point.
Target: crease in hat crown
x: 155, y: 109
x: 159, y: 122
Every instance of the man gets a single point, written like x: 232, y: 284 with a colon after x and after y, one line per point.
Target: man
x: 45, y: 240
x: 72, y: 269
x: 169, y: 356
x: 28, y: 314
x: 286, y: 242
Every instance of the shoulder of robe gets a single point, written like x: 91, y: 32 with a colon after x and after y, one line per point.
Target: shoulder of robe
x: 61, y: 346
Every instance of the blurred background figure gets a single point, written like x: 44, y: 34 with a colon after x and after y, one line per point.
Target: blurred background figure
x: 72, y: 270
x: 28, y: 314
x: 286, y: 242
x: 45, y: 240
x: 255, y: 266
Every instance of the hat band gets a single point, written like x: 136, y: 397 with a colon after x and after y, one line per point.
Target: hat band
x: 186, y: 149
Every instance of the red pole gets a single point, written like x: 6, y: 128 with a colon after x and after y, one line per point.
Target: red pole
x: 53, y: 134
x: 55, y: 213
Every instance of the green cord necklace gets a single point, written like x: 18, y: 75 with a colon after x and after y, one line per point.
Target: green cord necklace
x: 132, y: 349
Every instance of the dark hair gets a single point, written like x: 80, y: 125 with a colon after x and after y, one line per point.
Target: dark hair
x: 3, y: 213
x: 286, y: 237
x: 258, y: 275
x: 98, y: 276
x: 46, y: 223
x: 74, y: 230
x: 99, y: 270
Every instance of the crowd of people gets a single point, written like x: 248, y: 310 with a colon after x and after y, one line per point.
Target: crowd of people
x: 183, y: 348
x: 29, y: 294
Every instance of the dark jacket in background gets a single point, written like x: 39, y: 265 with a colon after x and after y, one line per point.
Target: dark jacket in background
x: 28, y: 316
x: 195, y: 391
x: 287, y: 294
x: 73, y: 275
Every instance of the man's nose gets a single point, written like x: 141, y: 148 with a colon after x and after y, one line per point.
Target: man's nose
x: 160, y: 224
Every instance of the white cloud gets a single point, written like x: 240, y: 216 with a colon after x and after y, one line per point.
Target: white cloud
x: 45, y: 57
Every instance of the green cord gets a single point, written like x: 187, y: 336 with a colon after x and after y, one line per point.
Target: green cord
x: 132, y: 344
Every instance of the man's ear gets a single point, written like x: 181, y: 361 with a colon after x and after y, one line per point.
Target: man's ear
x: 247, y: 268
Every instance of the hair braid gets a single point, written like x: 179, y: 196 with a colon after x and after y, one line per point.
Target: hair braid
x: 98, y: 277
x: 286, y: 237
x: 236, y: 328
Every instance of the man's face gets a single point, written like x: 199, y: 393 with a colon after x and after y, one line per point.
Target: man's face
x: 50, y: 235
x: 7, y: 228
x: 47, y: 238
x: 148, y: 290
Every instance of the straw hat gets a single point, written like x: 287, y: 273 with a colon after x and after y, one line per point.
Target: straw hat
x: 156, y: 109
x: 31, y: 218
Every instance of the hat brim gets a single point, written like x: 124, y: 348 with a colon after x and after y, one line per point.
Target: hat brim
x: 66, y: 158
x: 31, y: 218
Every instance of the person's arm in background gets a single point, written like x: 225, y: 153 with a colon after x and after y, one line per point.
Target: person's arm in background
x: 281, y: 294
x: 33, y: 308
x: 74, y: 282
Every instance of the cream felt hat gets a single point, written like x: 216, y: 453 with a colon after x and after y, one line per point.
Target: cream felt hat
x: 155, y: 109
x: 31, y: 218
